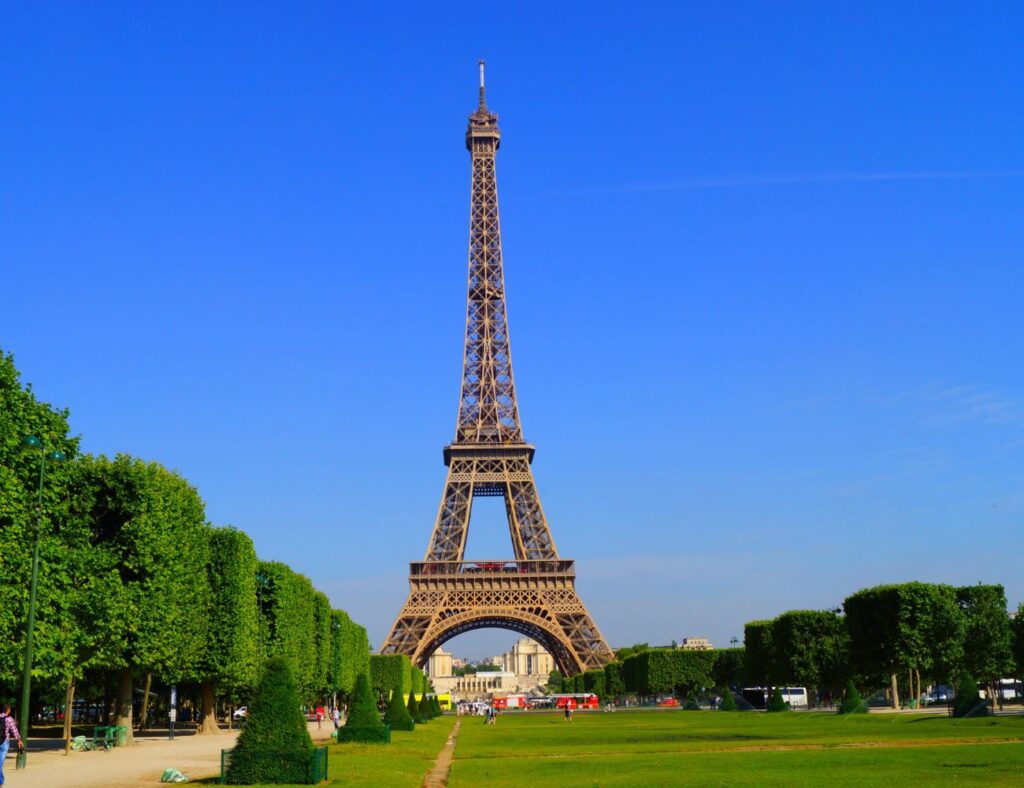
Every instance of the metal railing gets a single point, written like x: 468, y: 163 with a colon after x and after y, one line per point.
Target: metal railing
x: 558, y: 566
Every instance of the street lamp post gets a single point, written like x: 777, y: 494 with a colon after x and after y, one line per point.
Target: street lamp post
x: 33, y: 442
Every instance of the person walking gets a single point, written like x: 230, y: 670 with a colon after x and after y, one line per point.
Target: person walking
x: 336, y: 717
x: 8, y: 730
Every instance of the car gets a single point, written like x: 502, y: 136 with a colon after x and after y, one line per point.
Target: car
x: 241, y: 713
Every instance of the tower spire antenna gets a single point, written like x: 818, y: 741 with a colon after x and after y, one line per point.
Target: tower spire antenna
x: 483, y: 103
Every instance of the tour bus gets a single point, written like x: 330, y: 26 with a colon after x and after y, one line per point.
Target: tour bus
x: 509, y: 702
x: 576, y: 700
x: 757, y: 697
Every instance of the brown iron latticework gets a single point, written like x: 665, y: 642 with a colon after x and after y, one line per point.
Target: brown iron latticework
x: 535, y: 593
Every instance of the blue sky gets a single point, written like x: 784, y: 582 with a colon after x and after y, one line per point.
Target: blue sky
x: 765, y: 267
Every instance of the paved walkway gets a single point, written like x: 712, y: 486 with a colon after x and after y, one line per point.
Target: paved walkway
x: 129, y: 767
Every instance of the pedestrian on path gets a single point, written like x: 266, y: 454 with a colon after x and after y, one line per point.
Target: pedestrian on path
x: 336, y: 717
x: 8, y: 730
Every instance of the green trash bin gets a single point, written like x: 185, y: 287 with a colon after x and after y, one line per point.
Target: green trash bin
x: 120, y: 735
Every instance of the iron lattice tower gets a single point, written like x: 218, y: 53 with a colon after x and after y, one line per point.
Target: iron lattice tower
x: 535, y: 593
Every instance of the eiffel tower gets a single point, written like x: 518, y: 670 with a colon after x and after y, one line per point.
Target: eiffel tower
x: 534, y: 593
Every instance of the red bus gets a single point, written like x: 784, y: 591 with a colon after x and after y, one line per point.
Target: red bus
x: 578, y: 700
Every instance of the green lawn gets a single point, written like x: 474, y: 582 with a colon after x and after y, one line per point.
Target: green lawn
x: 405, y: 761
x: 671, y: 748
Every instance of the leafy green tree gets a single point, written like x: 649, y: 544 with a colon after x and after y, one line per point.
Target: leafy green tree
x: 320, y: 685
x: 230, y: 661
x: 852, y: 701
x: 728, y: 701
x: 757, y: 643
x: 777, y: 703
x: 594, y: 681
x: 62, y: 641
x: 988, y: 644
x: 363, y: 724
x: 274, y: 746
x: 1018, y: 639
x: 614, y: 685
x: 398, y: 715
x: 388, y: 671
x: 288, y: 621
x: 350, y: 653
x: 150, y: 558
x: 729, y: 669
x: 555, y: 681
x: 809, y: 648
x: 905, y: 629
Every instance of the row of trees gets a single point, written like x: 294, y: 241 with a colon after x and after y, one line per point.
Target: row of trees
x: 906, y: 635
x: 895, y: 635
x: 135, y: 585
x: 642, y: 670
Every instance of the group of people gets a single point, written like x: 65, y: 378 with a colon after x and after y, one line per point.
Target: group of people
x: 321, y: 713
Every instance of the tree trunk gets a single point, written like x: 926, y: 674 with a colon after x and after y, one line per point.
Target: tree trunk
x: 918, y: 696
x: 208, y: 720
x: 124, y: 702
x: 895, y: 692
x: 69, y: 715
x: 144, y: 711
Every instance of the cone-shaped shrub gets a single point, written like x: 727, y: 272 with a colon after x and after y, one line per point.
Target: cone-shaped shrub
x: 437, y: 706
x: 777, y: 703
x: 852, y: 703
x: 413, y: 708
x: 364, y: 723
x: 966, y: 702
x: 274, y: 746
x: 397, y: 715
x: 728, y: 701
x: 426, y: 709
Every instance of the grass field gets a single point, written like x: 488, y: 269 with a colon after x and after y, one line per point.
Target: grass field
x: 673, y: 748
x: 653, y: 748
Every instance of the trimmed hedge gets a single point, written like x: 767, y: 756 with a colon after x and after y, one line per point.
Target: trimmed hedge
x: 275, y: 727
x: 852, y: 701
x: 668, y: 670
x: 363, y: 723
x: 397, y: 716
x: 390, y: 672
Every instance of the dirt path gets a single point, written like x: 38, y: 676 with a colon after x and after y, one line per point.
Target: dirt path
x: 130, y: 767
x: 438, y: 776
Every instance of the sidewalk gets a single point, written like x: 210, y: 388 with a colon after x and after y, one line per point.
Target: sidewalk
x: 128, y: 767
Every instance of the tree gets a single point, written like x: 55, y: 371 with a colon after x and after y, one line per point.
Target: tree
x: 363, y: 724
x: 320, y: 685
x: 905, y: 629
x: 350, y: 653
x: 614, y: 686
x: 1018, y: 639
x: 274, y: 746
x: 757, y: 644
x: 728, y: 701
x: 230, y: 660
x: 425, y: 709
x: 988, y: 645
x: 809, y: 648
x: 966, y: 701
x: 777, y: 703
x: 390, y: 671
x: 729, y: 669
x: 555, y: 681
x: 150, y: 558
x: 288, y: 621
x: 852, y: 701
x: 398, y: 716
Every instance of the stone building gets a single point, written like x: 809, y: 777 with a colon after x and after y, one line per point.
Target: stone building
x: 696, y: 644
x: 525, y: 668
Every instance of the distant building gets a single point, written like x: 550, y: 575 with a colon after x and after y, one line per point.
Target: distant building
x: 523, y: 669
x: 696, y: 644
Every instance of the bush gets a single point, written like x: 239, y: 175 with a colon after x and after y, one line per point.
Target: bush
x: 437, y: 706
x: 777, y: 703
x: 364, y: 723
x: 691, y: 705
x: 966, y: 702
x: 852, y: 703
x: 728, y: 701
x: 414, y: 709
x: 274, y: 746
x: 397, y: 716
x: 425, y: 709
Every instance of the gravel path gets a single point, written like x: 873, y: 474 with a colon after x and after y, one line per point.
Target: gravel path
x: 128, y: 767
